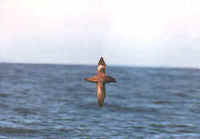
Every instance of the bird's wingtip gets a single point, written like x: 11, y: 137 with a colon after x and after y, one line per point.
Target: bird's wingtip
x: 101, y: 61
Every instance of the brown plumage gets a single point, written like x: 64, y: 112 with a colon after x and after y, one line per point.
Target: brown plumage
x: 101, y: 79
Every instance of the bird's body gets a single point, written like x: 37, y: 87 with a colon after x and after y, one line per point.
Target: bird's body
x: 101, y: 79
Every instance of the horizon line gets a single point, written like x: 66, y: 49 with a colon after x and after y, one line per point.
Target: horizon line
x: 110, y: 65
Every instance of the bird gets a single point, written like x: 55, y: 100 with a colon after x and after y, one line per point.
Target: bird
x: 101, y: 78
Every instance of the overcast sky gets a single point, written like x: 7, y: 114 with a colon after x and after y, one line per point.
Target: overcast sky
x: 125, y: 32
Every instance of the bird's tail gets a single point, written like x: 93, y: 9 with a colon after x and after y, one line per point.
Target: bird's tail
x: 101, y: 93
x: 101, y: 99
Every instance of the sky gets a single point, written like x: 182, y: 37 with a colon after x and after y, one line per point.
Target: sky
x: 162, y: 33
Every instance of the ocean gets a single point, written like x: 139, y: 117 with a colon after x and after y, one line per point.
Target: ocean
x: 41, y: 101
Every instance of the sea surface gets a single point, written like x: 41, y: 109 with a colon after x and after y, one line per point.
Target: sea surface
x: 54, y: 102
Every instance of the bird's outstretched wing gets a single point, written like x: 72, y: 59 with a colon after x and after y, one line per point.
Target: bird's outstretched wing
x: 93, y: 79
x: 109, y: 79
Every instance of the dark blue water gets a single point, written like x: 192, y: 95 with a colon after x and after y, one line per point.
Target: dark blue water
x: 54, y: 102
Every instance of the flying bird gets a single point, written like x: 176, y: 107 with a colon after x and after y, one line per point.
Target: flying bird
x: 101, y: 79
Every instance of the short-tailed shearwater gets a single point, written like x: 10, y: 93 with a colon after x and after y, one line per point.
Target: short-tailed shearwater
x: 101, y: 79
